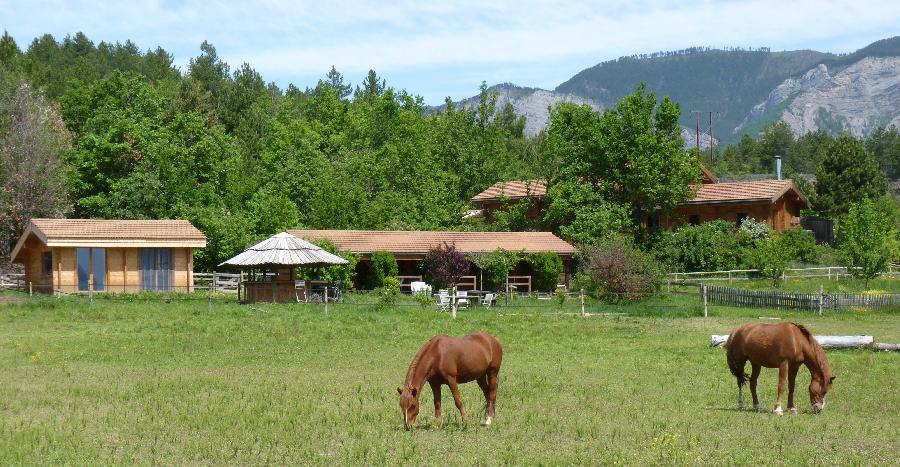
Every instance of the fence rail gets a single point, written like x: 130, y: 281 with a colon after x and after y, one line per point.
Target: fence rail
x: 829, y: 272
x: 217, y: 281
x: 795, y: 301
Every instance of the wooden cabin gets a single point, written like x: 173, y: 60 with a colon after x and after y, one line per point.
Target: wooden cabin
x: 78, y: 255
x: 410, y: 248
x: 776, y: 202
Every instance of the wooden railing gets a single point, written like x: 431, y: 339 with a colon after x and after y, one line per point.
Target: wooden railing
x: 406, y: 281
x: 521, y: 283
x: 829, y: 272
x: 217, y: 281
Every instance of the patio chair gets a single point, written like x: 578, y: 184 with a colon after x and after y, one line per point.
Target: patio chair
x: 487, y: 300
x: 462, y: 299
x: 443, y: 300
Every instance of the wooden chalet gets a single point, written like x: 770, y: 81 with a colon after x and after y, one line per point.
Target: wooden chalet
x: 77, y: 255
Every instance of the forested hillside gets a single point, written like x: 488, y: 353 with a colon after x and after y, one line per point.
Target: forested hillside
x: 112, y: 131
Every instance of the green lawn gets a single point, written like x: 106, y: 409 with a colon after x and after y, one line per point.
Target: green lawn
x: 173, y: 383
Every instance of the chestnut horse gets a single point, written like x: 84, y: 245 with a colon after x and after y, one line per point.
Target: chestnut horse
x: 785, y: 346
x: 451, y: 361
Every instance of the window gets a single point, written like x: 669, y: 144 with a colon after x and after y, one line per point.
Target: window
x: 156, y: 269
x: 694, y: 219
x: 91, y: 264
x: 741, y: 217
x: 47, y: 263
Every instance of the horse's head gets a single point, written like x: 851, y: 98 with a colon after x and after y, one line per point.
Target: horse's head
x: 818, y: 390
x: 409, y: 404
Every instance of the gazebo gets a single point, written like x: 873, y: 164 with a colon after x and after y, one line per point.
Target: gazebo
x: 272, y: 264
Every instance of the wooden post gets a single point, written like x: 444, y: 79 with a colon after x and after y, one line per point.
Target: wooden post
x: 240, y: 282
x: 209, y: 296
x: 821, y: 297
x: 705, y: 305
x: 215, y: 281
x: 453, y: 301
x: 91, y: 289
x: 30, y: 293
x: 273, y: 288
x: 582, y: 303
x: 507, y: 290
x: 326, y: 299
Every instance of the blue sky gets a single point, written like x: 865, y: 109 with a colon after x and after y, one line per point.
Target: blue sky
x: 437, y: 49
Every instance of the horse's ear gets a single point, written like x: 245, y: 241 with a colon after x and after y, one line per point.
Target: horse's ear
x: 399, y: 390
x: 414, y: 392
x: 832, y: 379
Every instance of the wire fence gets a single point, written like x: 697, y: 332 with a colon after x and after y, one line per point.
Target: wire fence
x: 825, y: 272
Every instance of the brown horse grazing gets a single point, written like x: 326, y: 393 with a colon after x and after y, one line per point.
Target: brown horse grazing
x: 451, y: 361
x: 785, y: 346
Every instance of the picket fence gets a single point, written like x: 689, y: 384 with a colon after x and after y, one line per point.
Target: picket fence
x: 794, y: 301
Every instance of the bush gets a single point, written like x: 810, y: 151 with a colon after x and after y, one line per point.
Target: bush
x: 546, y: 269
x: 617, y: 270
x: 799, y: 245
x: 343, y: 273
x: 388, y: 293
x: 445, y: 265
x: 496, y: 265
x: 771, y: 258
x: 709, y: 246
x: 869, y: 238
x: 756, y: 231
x: 382, y: 265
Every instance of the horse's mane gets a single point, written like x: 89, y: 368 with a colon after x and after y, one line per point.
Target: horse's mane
x: 817, y: 348
x: 417, y: 358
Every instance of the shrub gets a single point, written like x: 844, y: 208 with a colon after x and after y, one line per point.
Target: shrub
x: 382, y: 265
x: 869, y: 238
x: 445, y: 265
x: 546, y: 267
x: 388, y: 293
x: 771, y: 258
x: 755, y: 230
x: 799, y: 245
x: 496, y: 265
x: 706, y: 247
x: 424, y: 299
x: 617, y: 270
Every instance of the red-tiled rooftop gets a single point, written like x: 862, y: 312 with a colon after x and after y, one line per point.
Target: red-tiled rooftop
x: 744, y: 192
x: 514, y: 189
x: 419, y: 242
x: 53, y: 229
x: 708, y: 193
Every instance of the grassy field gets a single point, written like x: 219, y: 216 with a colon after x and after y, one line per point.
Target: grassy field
x: 173, y: 383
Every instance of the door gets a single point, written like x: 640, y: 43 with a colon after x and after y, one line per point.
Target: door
x: 156, y: 269
x: 91, y: 265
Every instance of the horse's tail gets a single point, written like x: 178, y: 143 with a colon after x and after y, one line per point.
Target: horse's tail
x: 736, y: 368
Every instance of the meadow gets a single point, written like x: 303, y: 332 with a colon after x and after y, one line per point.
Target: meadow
x: 155, y: 382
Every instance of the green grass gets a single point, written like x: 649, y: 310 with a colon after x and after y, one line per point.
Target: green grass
x: 172, y: 383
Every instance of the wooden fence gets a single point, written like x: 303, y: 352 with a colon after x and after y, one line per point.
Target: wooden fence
x: 12, y: 281
x: 825, y: 272
x: 217, y: 282
x: 795, y: 301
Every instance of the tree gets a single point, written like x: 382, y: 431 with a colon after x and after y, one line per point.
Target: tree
x: 446, y: 265
x: 619, y: 271
x: 383, y: 265
x: 335, y: 80
x: 849, y: 174
x: 546, y: 268
x: 632, y: 155
x: 496, y: 265
x: 32, y: 136
x: 869, y: 237
x: 884, y: 144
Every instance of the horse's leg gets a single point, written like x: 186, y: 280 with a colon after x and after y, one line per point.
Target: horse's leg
x: 454, y: 389
x: 782, y: 376
x: 493, y: 379
x: 740, y: 385
x: 483, y: 384
x: 792, y: 381
x: 436, y: 392
x: 754, y: 377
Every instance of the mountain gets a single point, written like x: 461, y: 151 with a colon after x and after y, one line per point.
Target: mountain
x: 534, y: 104
x: 746, y: 89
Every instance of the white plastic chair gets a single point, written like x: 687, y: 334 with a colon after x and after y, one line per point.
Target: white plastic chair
x: 443, y: 300
x: 462, y: 299
x: 487, y: 300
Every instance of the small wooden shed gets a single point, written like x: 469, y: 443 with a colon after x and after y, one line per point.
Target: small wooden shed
x: 72, y: 255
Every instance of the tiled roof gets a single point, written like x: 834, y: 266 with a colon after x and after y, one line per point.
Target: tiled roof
x: 59, y: 229
x: 744, y: 192
x: 709, y: 193
x: 98, y: 233
x: 419, y: 242
x: 514, y: 189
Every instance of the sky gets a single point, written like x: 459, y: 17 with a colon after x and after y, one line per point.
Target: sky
x: 437, y: 49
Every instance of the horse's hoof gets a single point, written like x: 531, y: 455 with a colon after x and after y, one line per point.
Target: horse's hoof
x: 793, y: 411
x: 487, y: 421
x: 778, y: 411
x: 757, y: 408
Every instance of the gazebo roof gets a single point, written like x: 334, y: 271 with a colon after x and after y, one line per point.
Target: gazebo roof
x: 284, y: 249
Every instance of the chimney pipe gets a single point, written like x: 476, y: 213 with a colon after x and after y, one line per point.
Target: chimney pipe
x: 778, y: 167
